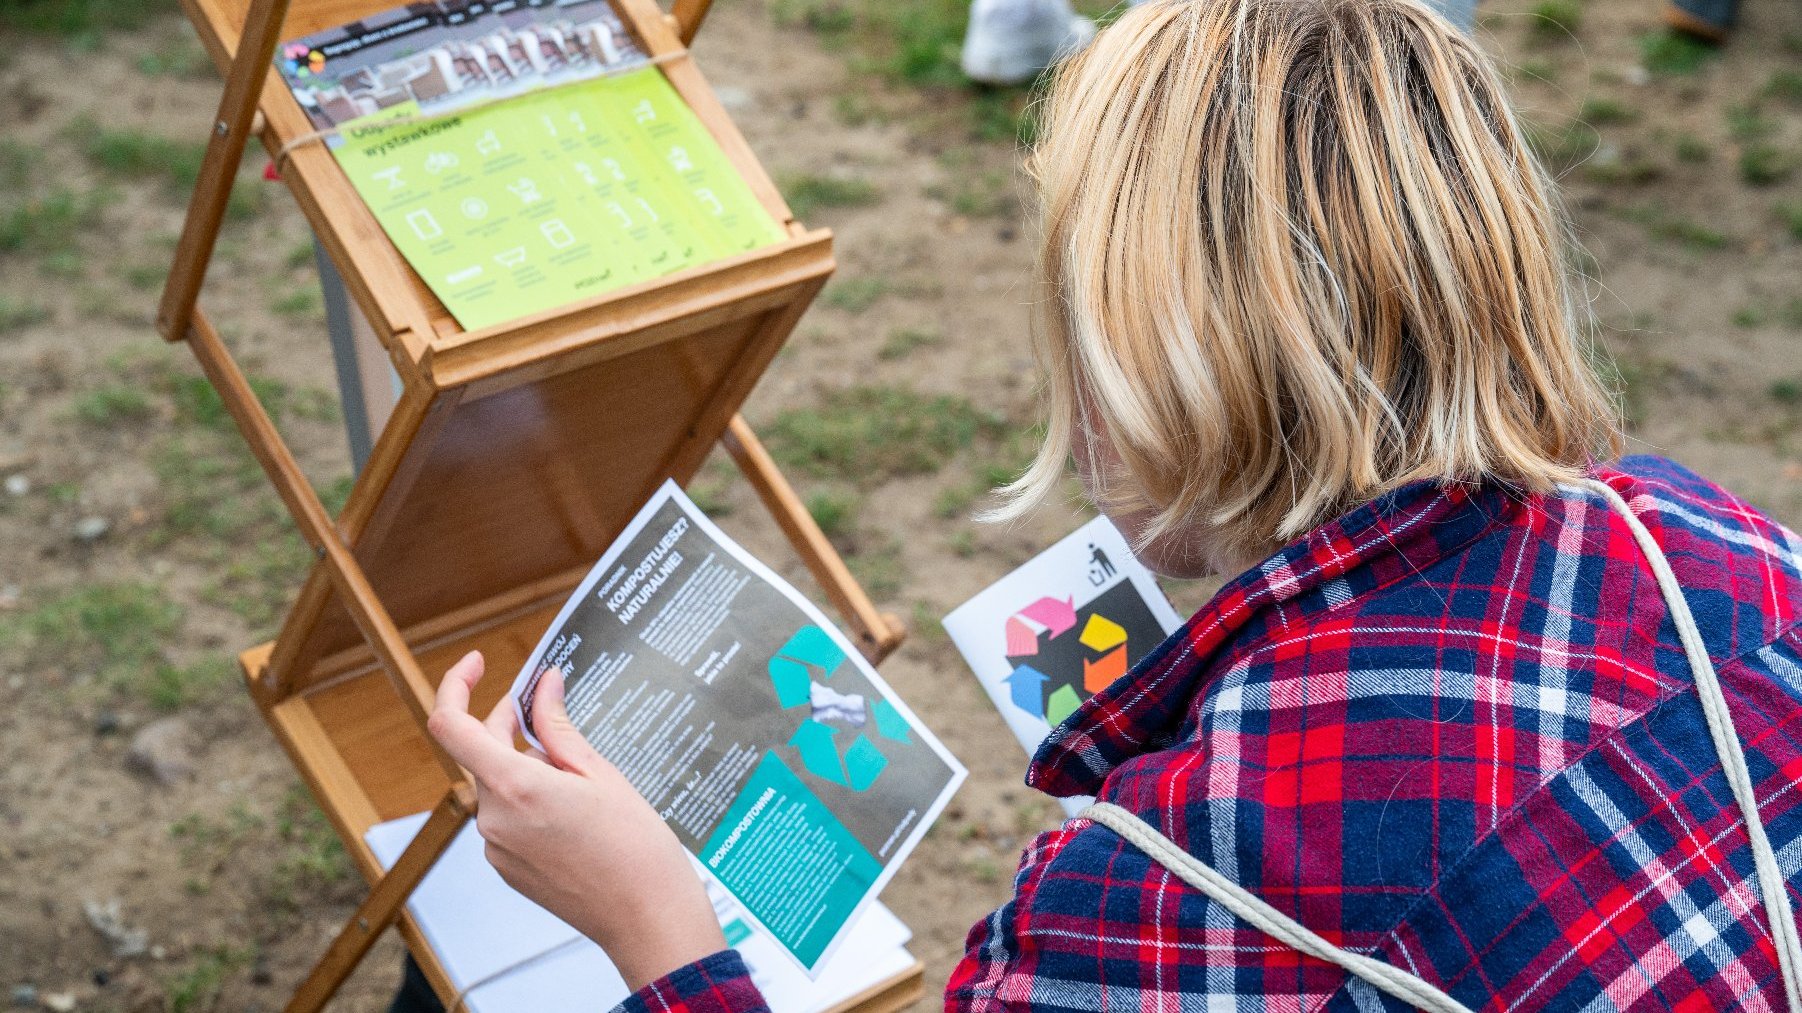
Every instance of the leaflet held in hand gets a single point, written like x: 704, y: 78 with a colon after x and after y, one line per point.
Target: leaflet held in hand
x: 1047, y: 636
x: 770, y: 746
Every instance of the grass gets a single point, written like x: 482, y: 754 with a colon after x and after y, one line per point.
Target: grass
x: 197, y: 402
x: 68, y: 264
x: 76, y: 19
x: 1692, y: 149
x: 1785, y: 85
x: 924, y: 38
x: 117, y: 629
x: 180, y: 57
x: 855, y: 109
x: 48, y: 224
x: 304, y: 301
x: 137, y: 154
x: 977, y: 194
x: 145, y: 277
x: 1543, y: 70
x: 905, y: 341
x: 17, y: 315
x: 258, y: 579
x: 1754, y: 315
x: 1786, y: 392
x: 1014, y: 454
x: 1612, y: 167
x: 1564, y: 145
x: 866, y: 434
x: 1790, y: 214
x: 879, y: 569
x: 826, y: 17
x: 300, y: 255
x: 925, y: 625
x: 1682, y: 231
x: 196, y: 988
x: 835, y: 511
x: 711, y: 488
x: 112, y: 404
x: 954, y: 502
x: 172, y: 687
x: 131, y: 154
x: 17, y: 160
x: 202, y: 837
x: 1762, y: 164
x: 1603, y: 111
x: 962, y: 543
x: 1748, y: 123
x: 1004, y: 116
x: 1557, y: 18
x: 312, y: 857
x: 211, y: 488
x: 1673, y: 54
x: 854, y: 295
x: 809, y: 193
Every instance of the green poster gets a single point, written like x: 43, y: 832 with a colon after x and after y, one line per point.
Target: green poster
x: 523, y: 206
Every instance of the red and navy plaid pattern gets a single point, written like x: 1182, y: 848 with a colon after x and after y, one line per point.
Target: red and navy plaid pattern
x: 718, y: 982
x: 1455, y: 730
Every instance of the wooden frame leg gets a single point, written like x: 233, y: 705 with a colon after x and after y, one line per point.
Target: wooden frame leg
x: 316, y: 526
x: 877, y: 634
x: 688, y: 15
x: 219, y: 168
x: 382, y: 907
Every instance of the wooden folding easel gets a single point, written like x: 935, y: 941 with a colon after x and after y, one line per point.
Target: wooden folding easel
x: 512, y: 458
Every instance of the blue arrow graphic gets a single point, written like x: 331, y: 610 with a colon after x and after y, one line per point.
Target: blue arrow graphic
x: 1028, y: 686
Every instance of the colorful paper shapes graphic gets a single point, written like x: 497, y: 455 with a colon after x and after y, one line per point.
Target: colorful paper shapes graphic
x: 1022, y: 642
x: 863, y: 762
x: 813, y: 646
x: 1053, y: 614
x: 810, y: 654
x: 818, y: 754
x: 1097, y: 674
x: 1061, y: 705
x: 793, y: 683
x: 1102, y: 634
x: 1028, y: 687
x: 889, y: 722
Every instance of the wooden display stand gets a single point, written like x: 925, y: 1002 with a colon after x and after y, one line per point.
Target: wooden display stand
x: 513, y: 457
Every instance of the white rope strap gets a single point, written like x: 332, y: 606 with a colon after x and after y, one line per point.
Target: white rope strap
x: 1727, y: 746
x: 1242, y: 902
x: 1411, y: 989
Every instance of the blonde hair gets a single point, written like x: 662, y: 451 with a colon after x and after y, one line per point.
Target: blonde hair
x: 1297, y: 253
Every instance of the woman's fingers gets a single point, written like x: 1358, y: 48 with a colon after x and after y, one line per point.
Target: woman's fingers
x: 563, y: 742
x: 502, y: 721
x: 454, y: 690
x: 462, y: 736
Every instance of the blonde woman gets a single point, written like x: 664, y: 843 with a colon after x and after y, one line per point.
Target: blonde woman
x: 1481, y: 722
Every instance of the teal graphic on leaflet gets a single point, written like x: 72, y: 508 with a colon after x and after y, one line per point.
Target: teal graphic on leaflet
x: 801, y: 672
x: 789, y: 861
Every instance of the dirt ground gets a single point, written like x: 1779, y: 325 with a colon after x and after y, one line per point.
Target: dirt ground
x: 138, y: 552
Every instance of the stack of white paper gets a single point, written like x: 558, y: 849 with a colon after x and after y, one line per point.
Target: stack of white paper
x: 506, y: 953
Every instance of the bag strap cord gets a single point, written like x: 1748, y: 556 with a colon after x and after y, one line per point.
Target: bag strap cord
x: 1411, y: 989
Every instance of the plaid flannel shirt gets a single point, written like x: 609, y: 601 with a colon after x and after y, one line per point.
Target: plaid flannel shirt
x: 1453, y: 730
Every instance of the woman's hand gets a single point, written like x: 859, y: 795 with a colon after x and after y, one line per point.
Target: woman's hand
x: 566, y: 829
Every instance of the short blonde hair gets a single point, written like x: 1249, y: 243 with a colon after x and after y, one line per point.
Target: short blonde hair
x: 1297, y: 253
